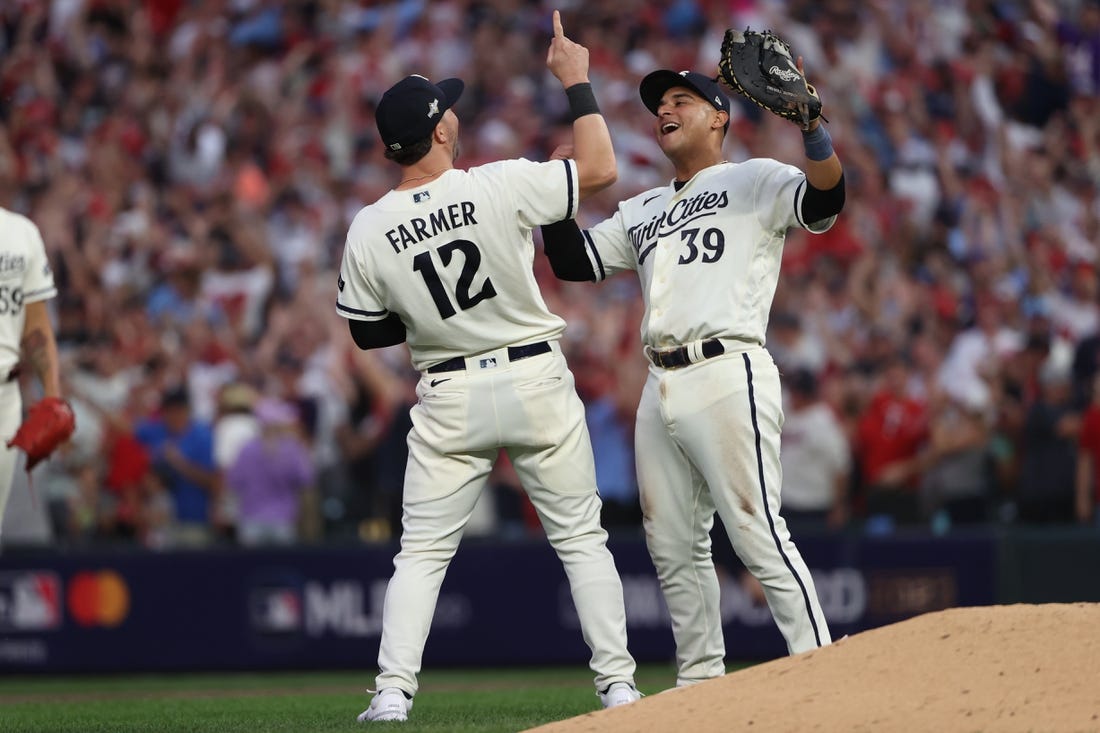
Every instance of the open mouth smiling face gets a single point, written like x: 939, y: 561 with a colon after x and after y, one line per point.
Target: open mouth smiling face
x: 676, y: 105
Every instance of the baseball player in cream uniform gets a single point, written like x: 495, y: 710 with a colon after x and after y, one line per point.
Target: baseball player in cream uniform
x: 444, y: 263
x: 707, y: 249
x: 26, y: 282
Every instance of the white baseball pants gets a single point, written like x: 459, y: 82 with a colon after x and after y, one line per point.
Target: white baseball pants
x: 529, y: 407
x: 11, y: 415
x: 707, y: 438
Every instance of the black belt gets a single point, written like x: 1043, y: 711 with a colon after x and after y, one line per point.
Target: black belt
x: 515, y: 353
x: 13, y: 374
x: 681, y: 357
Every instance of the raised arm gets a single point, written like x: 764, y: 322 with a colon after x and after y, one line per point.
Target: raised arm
x: 592, y: 151
x: 824, y: 174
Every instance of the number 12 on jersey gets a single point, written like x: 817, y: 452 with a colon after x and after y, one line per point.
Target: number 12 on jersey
x: 471, y: 261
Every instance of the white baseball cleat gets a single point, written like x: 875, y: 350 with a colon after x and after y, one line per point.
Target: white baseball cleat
x: 387, y: 704
x: 620, y: 693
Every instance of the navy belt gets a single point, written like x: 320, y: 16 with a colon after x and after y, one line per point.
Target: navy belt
x: 515, y: 353
x: 681, y: 357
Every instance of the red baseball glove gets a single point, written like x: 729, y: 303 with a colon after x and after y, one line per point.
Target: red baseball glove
x: 48, y: 424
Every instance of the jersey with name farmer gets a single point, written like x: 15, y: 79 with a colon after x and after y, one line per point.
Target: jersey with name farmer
x: 453, y: 259
x: 25, y: 277
x: 708, y: 255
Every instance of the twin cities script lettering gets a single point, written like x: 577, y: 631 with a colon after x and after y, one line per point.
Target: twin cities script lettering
x: 679, y: 215
x: 417, y: 229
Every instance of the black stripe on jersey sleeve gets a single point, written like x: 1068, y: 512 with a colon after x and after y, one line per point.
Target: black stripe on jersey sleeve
x: 33, y: 296
x: 569, y: 212
x: 355, y: 311
x: 798, y: 203
x: 595, y: 254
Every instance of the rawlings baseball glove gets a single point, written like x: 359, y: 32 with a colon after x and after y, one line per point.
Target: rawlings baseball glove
x: 760, y: 66
x: 48, y: 424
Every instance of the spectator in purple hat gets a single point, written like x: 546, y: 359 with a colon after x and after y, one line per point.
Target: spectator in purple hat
x: 269, y: 477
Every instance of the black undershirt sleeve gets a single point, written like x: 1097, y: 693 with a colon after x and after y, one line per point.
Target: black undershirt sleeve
x: 564, y: 246
x: 376, y: 334
x: 818, y: 204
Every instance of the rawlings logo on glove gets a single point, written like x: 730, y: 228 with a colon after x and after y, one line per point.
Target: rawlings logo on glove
x: 49, y: 423
x: 784, y: 74
x: 760, y: 66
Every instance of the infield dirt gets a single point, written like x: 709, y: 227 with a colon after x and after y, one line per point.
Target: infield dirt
x: 993, y: 668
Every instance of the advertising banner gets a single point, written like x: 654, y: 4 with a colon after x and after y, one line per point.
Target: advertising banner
x: 500, y: 604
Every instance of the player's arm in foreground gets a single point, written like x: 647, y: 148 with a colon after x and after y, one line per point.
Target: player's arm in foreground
x: 592, y: 150
x: 824, y: 175
x: 39, y: 348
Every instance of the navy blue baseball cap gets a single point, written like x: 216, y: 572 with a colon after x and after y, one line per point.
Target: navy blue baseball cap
x: 411, y: 108
x: 656, y: 83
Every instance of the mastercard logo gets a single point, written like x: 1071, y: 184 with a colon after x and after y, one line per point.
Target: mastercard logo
x: 98, y: 598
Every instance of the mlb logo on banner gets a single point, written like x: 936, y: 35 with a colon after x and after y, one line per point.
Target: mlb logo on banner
x: 30, y: 601
x: 274, y: 610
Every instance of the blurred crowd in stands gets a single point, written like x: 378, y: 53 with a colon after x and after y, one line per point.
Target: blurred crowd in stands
x: 193, y: 166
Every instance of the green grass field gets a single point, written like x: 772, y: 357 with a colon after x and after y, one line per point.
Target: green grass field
x: 455, y: 701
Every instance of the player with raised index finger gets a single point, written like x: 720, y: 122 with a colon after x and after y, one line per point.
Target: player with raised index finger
x: 707, y: 249
x: 443, y: 262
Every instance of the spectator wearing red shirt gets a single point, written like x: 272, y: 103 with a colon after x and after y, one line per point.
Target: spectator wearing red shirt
x: 128, y: 466
x: 891, y: 432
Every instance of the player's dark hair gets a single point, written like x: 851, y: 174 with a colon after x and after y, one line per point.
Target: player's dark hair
x: 410, y: 154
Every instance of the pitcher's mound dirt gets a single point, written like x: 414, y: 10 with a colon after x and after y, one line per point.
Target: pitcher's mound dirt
x: 993, y: 668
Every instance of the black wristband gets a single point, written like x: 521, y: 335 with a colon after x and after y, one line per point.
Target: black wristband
x: 581, y: 100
